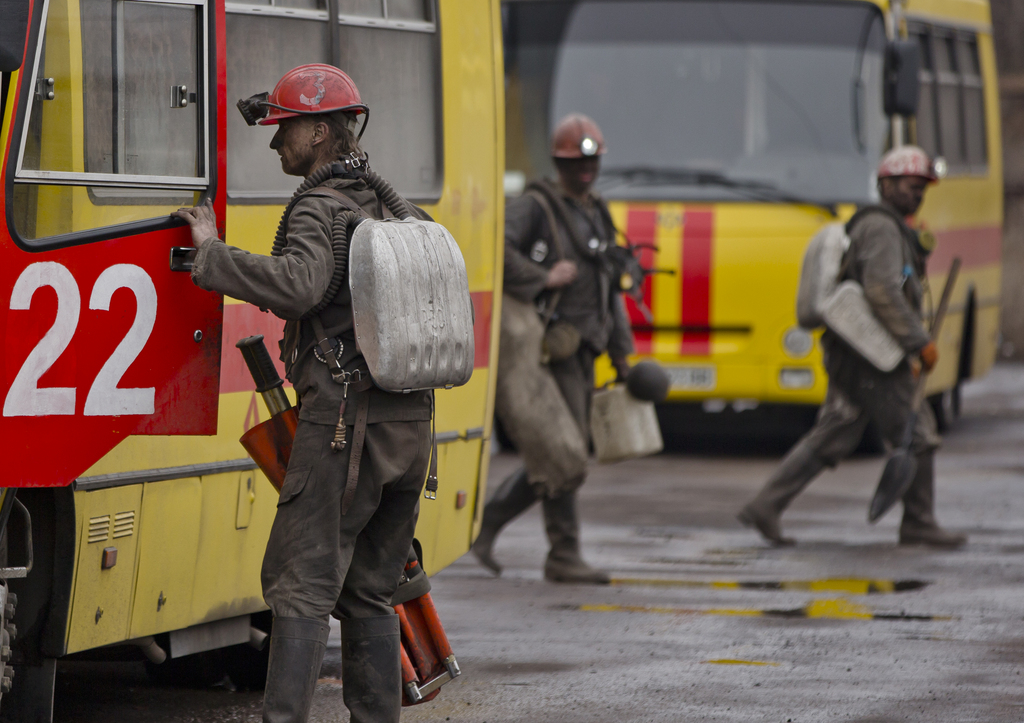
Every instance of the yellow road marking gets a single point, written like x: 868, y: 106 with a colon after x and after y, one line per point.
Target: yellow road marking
x: 833, y: 609
x: 850, y: 586
x: 737, y: 661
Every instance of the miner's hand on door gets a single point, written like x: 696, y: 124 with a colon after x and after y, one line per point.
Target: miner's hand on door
x: 203, y: 221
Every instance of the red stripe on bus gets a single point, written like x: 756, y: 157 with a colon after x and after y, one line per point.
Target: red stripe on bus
x: 641, y: 225
x: 698, y: 230
x: 242, y: 320
x: 981, y: 246
x: 483, y: 310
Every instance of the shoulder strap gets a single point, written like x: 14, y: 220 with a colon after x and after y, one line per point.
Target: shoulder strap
x: 556, y: 232
x: 328, y: 192
x: 543, y: 189
x: 556, y: 240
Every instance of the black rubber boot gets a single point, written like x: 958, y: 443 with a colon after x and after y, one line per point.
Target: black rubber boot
x: 763, y: 512
x: 513, y: 497
x: 919, y: 526
x: 297, y: 647
x: 371, y: 669
x: 564, y: 563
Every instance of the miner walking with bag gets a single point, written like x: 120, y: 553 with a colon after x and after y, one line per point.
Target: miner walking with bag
x: 347, y: 511
x: 887, y: 259
x: 561, y: 310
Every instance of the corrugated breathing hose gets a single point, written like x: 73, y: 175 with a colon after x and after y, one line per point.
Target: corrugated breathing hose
x: 343, y: 223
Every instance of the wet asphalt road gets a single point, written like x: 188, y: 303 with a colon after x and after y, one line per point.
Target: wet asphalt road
x: 707, y: 623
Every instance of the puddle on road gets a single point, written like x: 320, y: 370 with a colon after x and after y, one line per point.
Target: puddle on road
x: 850, y: 586
x: 835, y: 609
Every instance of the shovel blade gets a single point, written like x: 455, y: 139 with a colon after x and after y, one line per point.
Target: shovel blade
x: 896, y: 478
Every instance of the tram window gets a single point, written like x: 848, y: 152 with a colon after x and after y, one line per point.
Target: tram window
x: 974, y: 102
x: 395, y: 64
x: 254, y: 171
x: 363, y: 8
x: 950, y: 120
x: 133, y: 55
x: 306, y: 4
x: 409, y: 9
x: 114, y: 129
x: 391, y: 9
x: 927, y: 135
x: 396, y: 72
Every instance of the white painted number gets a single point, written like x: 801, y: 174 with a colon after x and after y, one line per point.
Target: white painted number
x: 25, y: 398
x: 105, y: 398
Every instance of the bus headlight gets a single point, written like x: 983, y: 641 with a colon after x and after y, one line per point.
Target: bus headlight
x: 797, y: 342
x: 796, y: 378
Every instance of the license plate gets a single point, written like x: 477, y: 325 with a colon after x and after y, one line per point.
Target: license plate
x: 693, y: 378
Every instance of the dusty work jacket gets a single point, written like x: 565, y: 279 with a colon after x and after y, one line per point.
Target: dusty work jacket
x: 592, y: 302
x: 293, y: 283
x: 884, y: 259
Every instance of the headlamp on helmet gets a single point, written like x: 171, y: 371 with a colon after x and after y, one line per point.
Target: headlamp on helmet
x: 254, y: 108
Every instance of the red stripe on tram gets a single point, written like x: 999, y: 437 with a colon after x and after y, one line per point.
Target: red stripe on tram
x: 641, y: 225
x: 698, y: 234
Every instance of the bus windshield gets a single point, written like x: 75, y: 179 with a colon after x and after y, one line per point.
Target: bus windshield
x: 703, y: 100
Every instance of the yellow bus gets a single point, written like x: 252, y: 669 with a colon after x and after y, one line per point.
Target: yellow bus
x: 148, y: 521
x: 735, y: 129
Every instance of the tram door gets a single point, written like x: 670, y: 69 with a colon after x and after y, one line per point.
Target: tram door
x: 111, y: 120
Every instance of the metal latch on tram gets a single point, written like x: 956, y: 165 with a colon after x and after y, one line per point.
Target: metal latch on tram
x: 180, y: 97
x: 44, y: 89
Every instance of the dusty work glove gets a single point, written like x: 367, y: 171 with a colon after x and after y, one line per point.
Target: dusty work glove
x: 929, y: 356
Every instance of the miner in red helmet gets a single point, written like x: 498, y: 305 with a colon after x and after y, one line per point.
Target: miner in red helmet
x: 561, y: 276
x: 340, y: 540
x: 887, y: 258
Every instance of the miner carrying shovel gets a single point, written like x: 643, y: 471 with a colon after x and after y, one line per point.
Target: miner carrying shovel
x: 887, y: 259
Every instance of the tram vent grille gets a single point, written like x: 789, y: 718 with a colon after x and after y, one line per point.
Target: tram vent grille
x: 124, y: 524
x: 99, y: 528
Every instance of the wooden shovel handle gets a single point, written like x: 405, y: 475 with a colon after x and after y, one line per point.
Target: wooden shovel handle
x: 947, y: 293
x: 936, y: 327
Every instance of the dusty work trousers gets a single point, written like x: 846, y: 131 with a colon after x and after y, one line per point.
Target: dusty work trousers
x: 859, y: 393
x: 319, y: 561
x: 575, y: 379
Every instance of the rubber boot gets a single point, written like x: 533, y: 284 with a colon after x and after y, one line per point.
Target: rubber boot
x: 371, y: 669
x: 919, y: 526
x: 564, y: 563
x: 297, y: 647
x: 513, y: 497
x: 798, y: 468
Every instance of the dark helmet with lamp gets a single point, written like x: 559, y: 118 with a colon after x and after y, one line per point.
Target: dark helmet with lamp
x: 577, y: 136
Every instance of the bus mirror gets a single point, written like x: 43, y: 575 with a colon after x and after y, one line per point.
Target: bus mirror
x: 12, y: 34
x: 902, y: 84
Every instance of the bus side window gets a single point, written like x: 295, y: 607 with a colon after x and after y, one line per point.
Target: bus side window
x: 951, y: 114
x: 390, y: 49
x: 974, y: 103
x: 115, y: 128
x: 950, y: 119
x: 927, y: 132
